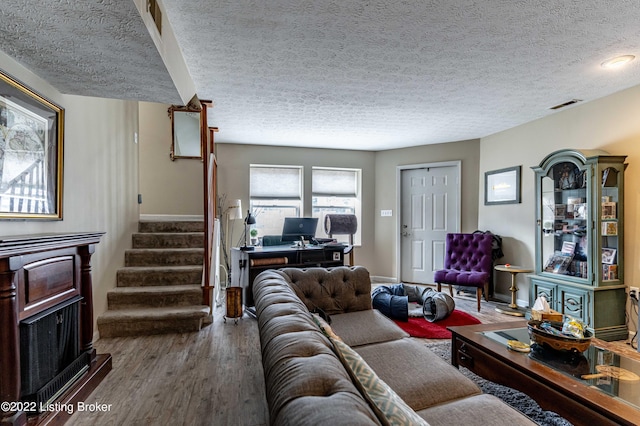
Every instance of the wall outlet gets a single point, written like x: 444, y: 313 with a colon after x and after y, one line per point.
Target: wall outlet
x: 634, y: 293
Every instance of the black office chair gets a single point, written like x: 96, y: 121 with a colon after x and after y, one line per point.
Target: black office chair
x: 272, y: 240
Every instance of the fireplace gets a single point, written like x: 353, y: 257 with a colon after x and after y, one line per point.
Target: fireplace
x: 50, y: 357
x: 46, y: 325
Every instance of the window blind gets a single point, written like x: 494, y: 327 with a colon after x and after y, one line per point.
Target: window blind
x: 283, y: 183
x: 334, y: 182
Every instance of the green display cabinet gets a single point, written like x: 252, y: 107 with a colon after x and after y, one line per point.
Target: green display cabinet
x: 580, y: 238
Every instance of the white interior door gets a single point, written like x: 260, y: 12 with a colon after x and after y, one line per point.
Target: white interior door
x: 430, y: 209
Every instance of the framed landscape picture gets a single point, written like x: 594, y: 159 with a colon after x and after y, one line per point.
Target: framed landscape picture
x: 31, y: 149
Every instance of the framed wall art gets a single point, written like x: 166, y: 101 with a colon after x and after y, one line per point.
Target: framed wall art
x: 502, y: 186
x: 31, y: 153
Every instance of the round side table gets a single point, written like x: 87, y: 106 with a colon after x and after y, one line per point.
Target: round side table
x: 512, y: 308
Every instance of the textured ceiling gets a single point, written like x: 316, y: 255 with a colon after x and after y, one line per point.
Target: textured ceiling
x: 381, y: 74
x: 90, y: 48
x: 348, y: 74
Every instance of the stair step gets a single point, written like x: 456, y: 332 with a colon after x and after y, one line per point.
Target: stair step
x: 139, y: 322
x: 132, y: 276
x: 158, y: 291
x: 171, y: 226
x: 168, y: 257
x: 154, y: 296
x: 168, y: 240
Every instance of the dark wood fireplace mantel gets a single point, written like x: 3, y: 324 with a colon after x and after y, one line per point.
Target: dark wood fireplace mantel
x: 38, y: 272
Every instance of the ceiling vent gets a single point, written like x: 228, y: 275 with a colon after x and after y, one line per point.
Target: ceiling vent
x: 566, y: 104
x: 154, y: 10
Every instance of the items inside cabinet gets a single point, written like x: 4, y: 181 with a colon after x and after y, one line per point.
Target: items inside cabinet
x: 565, y: 214
x: 580, y: 239
x: 609, y: 224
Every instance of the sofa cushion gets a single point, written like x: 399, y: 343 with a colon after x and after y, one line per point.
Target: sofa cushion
x: 365, y: 327
x: 338, y: 409
x: 470, y: 278
x: 419, y: 376
x: 306, y: 383
x: 334, y: 290
x: 466, y: 411
x: 388, y: 406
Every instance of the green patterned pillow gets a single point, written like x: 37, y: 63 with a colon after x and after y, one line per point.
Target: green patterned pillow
x: 387, y: 405
x: 325, y: 327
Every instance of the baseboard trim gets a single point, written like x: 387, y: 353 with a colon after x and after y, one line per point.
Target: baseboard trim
x: 171, y: 217
x: 503, y: 298
x: 376, y: 279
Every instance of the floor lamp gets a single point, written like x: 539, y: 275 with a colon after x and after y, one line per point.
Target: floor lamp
x: 234, y: 212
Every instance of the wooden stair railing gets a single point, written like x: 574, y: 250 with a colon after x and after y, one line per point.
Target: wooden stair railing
x: 210, y: 200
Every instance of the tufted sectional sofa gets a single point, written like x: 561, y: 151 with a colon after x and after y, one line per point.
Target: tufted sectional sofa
x: 311, y: 380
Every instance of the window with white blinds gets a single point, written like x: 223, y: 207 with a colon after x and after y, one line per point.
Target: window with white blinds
x: 335, y: 191
x: 275, y: 182
x: 334, y: 182
x: 275, y: 193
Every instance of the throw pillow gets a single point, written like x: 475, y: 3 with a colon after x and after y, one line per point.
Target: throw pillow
x: 386, y: 404
x: 325, y: 327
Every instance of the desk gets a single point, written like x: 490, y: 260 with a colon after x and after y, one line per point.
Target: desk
x: 246, y: 265
x: 512, y: 308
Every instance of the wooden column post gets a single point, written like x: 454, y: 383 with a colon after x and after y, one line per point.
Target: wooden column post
x: 86, y: 305
x: 10, y: 338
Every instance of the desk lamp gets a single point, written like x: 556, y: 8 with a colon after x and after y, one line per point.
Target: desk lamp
x: 249, y: 220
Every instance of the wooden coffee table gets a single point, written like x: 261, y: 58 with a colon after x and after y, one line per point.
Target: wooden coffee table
x: 552, y: 380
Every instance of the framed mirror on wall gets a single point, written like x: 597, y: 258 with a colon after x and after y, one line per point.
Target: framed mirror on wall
x: 186, y: 132
x: 31, y: 153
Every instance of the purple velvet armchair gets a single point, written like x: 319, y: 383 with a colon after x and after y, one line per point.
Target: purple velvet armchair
x: 467, y: 262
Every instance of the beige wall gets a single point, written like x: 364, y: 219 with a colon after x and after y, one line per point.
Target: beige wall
x: 100, y: 177
x: 233, y: 179
x: 387, y: 162
x: 610, y: 124
x: 167, y: 187
x: 378, y: 250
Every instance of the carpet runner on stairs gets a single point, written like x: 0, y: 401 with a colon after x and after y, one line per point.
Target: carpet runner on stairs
x: 158, y: 290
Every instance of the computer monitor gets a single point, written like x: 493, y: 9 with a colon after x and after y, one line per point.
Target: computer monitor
x: 299, y: 228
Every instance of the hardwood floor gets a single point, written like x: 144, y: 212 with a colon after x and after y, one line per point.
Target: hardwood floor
x: 211, y: 377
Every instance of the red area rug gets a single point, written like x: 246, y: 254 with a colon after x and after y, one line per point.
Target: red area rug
x: 420, y: 327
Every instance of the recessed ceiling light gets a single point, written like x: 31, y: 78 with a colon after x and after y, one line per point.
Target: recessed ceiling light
x: 618, y: 61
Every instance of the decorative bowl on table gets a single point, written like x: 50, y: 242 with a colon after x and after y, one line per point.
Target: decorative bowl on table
x: 563, y: 342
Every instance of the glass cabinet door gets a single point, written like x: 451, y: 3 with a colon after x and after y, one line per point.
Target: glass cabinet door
x: 564, y: 239
x: 609, y: 224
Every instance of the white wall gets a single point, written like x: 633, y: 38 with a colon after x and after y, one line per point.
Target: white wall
x: 611, y: 124
x: 100, y: 177
x: 167, y: 187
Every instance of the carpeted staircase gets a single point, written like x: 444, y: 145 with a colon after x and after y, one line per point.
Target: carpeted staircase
x: 158, y: 290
